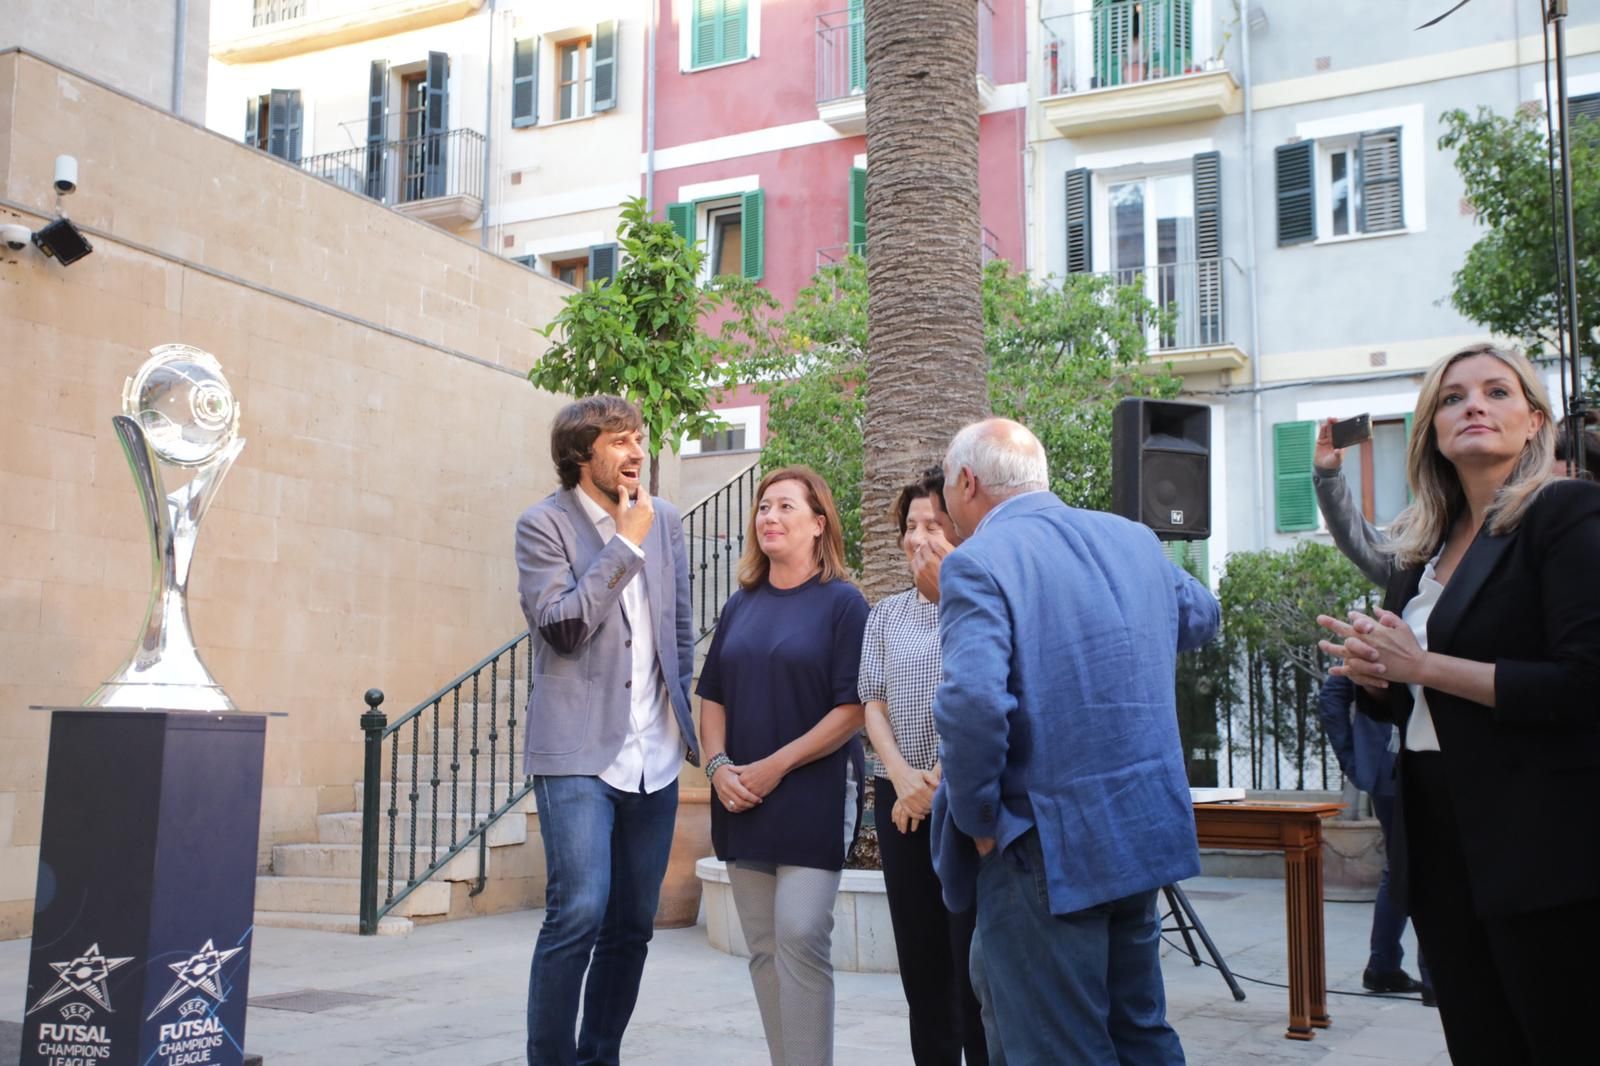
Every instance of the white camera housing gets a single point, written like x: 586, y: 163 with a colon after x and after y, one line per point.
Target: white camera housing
x: 16, y: 237
x: 66, y: 175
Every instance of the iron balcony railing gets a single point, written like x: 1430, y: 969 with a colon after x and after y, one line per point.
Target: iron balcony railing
x: 449, y: 777
x: 269, y: 12
x: 713, y: 531
x: 834, y: 254
x: 409, y: 170
x: 1191, y: 294
x: 1119, y: 44
x: 842, y: 51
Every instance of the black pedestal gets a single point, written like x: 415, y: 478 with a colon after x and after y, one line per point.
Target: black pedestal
x: 144, y: 911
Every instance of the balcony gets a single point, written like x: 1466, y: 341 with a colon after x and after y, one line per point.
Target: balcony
x: 271, y: 29
x: 834, y: 254
x: 1196, y: 339
x: 1125, y: 65
x: 437, y: 178
x: 842, y: 67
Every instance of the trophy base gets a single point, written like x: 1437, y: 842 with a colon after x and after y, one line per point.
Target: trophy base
x: 145, y: 696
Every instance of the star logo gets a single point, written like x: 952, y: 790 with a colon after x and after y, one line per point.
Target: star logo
x: 84, y: 975
x: 200, y: 972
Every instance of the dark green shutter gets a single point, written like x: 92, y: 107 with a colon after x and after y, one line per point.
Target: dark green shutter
x: 1192, y: 555
x: 1586, y: 106
x: 377, y: 112
x: 1079, y: 250
x: 1293, y: 444
x: 605, y: 66
x: 858, y: 210
x: 752, y: 232
x: 858, y: 46
x: 525, y: 83
x: 681, y: 216
x: 1408, y: 455
x: 1381, y: 207
x: 1297, y: 191
x: 1169, y: 27
x: 1111, y: 27
x: 1208, y: 246
x: 283, y: 124
x: 602, y: 262
x: 435, y: 124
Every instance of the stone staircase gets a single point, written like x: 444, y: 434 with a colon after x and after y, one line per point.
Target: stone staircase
x: 317, y: 885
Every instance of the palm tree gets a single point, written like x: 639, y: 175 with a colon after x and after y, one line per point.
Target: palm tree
x: 925, y: 355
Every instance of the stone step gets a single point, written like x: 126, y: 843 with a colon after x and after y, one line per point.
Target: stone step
x: 463, y: 798
x: 344, y: 860
x: 388, y: 925
x: 345, y: 828
x: 342, y: 895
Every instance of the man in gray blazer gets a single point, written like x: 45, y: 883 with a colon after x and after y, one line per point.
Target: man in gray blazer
x: 605, y: 588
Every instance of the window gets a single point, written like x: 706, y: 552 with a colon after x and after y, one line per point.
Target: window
x: 1340, y: 186
x: 525, y: 82
x: 529, y: 261
x: 718, y: 32
x: 727, y: 440
x: 1376, y: 470
x: 727, y: 247
x: 572, y: 271
x: 273, y: 123
x: 734, y: 227
x: 574, y: 79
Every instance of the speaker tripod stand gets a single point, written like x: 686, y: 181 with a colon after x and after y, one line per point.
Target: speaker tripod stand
x: 1182, y: 911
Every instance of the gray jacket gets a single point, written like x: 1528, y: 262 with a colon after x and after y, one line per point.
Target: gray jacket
x: 1357, y: 538
x: 571, y: 588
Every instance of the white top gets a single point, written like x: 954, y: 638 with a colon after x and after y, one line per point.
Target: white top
x: 649, y: 759
x: 1420, y: 735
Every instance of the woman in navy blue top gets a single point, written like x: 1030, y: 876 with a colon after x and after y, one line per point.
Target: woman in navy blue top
x: 780, y: 714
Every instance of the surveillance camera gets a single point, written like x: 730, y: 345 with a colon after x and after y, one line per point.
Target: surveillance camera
x: 66, y: 174
x: 16, y: 237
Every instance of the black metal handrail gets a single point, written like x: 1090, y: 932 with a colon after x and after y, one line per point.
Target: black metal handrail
x: 426, y: 739
x: 409, y: 170
x: 713, y: 530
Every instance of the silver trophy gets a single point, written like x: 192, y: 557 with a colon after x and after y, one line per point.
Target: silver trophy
x: 177, y: 409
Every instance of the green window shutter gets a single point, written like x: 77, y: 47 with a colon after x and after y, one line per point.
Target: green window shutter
x: 605, y: 66
x: 602, y: 262
x: 377, y: 111
x: 525, y: 83
x: 1079, y: 252
x: 858, y: 46
x: 858, y: 210
x: 1169, y: 25
x: 704, y: 38
x: 1408, y: 454
x: 1208, y: 246
x: 734, y: 23
x: 1293, y: 444
x: 681, y: 216
x: 1297, y: 191
x: 752, y: 232
x: 1192, y: 555
x: 1111, y: 27
x: 1586, y: 106
x: 1381, y: 207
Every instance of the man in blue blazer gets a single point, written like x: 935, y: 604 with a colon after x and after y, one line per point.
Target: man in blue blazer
x: 1064, y: 806
x: 605, y: 588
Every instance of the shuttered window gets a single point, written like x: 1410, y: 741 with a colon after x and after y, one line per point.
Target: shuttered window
x: 1379, y: 207
x: 1079, y: 255
x: 858, y: 210
x: 377, y: 121
x: 1192, y: 555
x: 753, y: 233
x: 1297, y: 191
x: 1293, y: 444
x: 525, y: 83
x: 681, y: 217
x: 717, y: 32
x: 858, y: 46
x: 602, y: 262
x: 605, y: 66
x: 1208, y: 246
x: 1586, y: 106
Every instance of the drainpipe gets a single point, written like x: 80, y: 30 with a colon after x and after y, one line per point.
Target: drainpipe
x: 1257, y: 423
x: 650, y: 105
x: 180, y: 44
x: 488, y: 134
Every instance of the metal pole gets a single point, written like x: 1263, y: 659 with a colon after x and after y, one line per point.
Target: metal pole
x: 650, y: 105
x: 1575, y: 403
x: 180, y: 45
x: 372, y: 724
x: 1257, y: 421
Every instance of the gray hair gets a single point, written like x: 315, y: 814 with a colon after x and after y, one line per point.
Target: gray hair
x: 1005, y: 457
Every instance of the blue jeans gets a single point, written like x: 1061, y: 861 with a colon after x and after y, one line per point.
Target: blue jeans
x: 1083, y: 988
x: 605, y: 853
x: 1388, y: 917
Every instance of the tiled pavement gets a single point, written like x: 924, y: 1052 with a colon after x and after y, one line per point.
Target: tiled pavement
x: 453, y: 994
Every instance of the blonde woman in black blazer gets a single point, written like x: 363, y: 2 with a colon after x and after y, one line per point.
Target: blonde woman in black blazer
x: 1487, y: 656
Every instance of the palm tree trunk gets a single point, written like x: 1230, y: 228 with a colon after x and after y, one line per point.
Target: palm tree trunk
x: 926, y: 372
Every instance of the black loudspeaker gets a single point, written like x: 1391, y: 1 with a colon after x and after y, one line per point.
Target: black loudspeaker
x: 1161, y: 466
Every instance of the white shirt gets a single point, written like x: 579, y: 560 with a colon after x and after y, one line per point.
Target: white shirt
x: 1420, y: 734
x: 654, y: 748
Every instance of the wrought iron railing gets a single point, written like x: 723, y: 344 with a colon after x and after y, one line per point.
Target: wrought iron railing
x: 268, y: 12
x: 986, y: 40
x: 458, y: 778
x: 408, y: 170
x: 713, y: 530
x: 841, y: 55
x: 1192, y: 297
x: 1119, y: 44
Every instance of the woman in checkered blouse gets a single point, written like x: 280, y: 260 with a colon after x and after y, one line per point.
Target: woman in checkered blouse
x: 900, y: 669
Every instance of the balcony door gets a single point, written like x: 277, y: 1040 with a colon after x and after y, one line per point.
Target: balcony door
x: 424, y: 130
x: 1151, y: 234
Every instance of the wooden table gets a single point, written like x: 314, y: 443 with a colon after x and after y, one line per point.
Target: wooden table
x: 1296, y: 830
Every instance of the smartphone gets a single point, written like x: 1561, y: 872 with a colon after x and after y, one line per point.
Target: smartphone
x: 1348, y: 432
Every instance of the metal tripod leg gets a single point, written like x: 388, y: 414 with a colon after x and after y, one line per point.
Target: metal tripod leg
x: 1183, y: 912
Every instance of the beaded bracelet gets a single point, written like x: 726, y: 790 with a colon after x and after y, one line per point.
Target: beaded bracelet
x: 717, y: 762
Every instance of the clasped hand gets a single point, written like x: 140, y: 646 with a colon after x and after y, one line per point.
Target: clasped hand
x: 914, y: 802
x: 1375, y: 651
x: 740, y: 788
